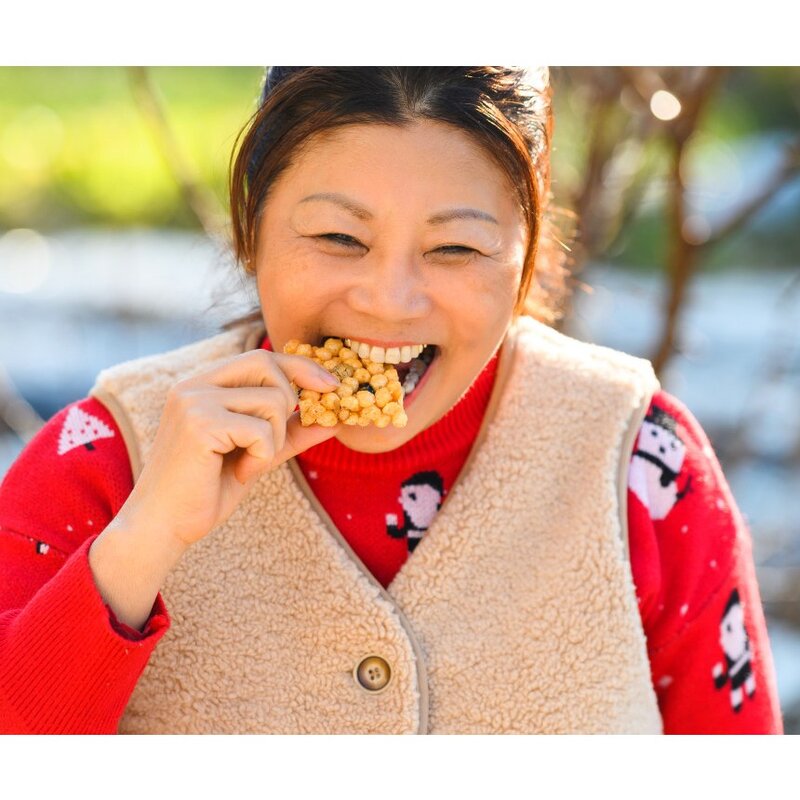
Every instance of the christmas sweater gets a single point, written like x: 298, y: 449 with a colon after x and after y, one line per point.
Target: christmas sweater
x: 67, y: 665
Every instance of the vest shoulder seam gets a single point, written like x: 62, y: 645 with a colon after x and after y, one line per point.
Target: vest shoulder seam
x: 124, y: 424
x: 635, y: 366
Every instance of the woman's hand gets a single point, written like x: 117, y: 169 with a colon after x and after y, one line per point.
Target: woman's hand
x: 219, y: 431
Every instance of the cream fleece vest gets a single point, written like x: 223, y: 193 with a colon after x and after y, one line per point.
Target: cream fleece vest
x: 516, y: 613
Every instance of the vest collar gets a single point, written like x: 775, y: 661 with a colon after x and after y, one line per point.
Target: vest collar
x: 505, y: 363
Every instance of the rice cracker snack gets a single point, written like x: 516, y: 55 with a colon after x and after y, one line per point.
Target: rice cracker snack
x: 370, y: 393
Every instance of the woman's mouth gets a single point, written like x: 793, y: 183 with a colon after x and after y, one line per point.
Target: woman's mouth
x: 411, y: 374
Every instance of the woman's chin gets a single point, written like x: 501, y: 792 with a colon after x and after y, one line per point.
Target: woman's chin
x: 371, y: 439
x: 417, y: 406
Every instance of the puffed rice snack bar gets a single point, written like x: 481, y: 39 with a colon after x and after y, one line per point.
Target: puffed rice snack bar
x: 369, y: 393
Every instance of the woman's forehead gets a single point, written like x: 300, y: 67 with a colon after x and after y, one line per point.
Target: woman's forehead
x: 427, y: 138
x: 435, y: 160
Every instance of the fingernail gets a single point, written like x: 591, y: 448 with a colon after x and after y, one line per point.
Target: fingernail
x: 331, y: 380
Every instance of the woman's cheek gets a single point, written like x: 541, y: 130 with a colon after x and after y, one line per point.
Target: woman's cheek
x: 494, y: 296
x: 287, y: 273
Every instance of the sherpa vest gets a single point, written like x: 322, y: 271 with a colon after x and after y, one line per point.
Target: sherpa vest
x: 516, y: 613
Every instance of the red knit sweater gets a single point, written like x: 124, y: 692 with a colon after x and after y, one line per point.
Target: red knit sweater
x: 68, y: 666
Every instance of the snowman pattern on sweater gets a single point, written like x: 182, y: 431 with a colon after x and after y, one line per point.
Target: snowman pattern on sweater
x: 421, y: 497
x: 656, y: 464
x: 738, y: 656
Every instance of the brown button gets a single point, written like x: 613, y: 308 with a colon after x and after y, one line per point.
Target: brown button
x: 373, y: 673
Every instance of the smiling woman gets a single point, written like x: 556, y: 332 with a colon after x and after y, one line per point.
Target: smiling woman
x: 505, y: 551
x: 514, y: 131
x: 431, y: 269
x: 411, y: 211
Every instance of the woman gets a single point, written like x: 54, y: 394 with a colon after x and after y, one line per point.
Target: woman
x: 578, y: 562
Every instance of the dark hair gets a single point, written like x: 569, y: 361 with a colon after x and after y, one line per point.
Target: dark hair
x: 507, y: 110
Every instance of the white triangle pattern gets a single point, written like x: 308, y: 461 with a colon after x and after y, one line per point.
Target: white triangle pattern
x: 81, y: 428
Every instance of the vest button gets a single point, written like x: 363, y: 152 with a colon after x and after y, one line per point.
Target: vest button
x: 373, y: 673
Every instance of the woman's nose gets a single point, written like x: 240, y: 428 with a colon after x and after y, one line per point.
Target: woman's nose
x: 391, y: 290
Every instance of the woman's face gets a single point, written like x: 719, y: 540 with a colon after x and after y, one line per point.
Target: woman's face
x: 394, y: 236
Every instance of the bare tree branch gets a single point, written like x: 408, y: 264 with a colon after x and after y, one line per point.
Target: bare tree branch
x: 200, y: 200
x: 785, y: 173
x: 682, y: 259
x: 15, y: 411
x: 602, y: 143
x: 630, y: 195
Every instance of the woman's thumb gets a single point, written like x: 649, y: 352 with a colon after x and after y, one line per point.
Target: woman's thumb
x: 300, y: 438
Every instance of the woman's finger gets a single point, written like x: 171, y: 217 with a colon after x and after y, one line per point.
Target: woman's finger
x: 262, y: 368
x: 299, y: 438
x: 265, y: 402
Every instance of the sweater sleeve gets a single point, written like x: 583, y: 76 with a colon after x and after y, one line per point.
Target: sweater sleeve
x: 692, y: 564
x: 67, y: 665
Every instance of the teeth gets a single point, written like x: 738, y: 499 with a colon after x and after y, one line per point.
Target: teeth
x: 418, y: 368
x: 390, y: 355
x: 410, y: 383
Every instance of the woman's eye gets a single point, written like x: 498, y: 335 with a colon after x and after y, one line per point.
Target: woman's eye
x: 455, y: 249
x: 349, y: 241
x: 341, y: 238
x: 456, y: 254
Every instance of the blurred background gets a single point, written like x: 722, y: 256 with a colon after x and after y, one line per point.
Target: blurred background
x: 680, y: 191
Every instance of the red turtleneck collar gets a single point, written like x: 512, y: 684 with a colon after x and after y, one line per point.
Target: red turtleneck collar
x: 456, y: 430
x: 382, y: 503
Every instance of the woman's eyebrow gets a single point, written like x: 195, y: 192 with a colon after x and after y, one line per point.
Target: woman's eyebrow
x: 460, y: 213
x: 437, y: 219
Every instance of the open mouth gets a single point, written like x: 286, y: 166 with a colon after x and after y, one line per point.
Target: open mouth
x: 410, y: 372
